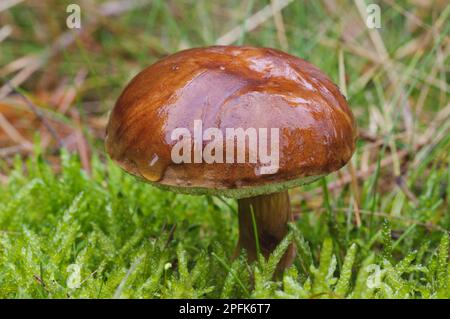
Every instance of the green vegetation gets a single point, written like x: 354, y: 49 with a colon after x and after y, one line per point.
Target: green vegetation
x: 129, y: 239
x: 77, y: 226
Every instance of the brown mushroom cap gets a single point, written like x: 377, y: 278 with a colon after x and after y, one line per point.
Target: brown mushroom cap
x: 231, y: 87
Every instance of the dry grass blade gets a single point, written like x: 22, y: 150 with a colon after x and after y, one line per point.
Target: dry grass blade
x: 382, y: 52
x: 21, y: 77
x: 5, y: 31
x: 70, y: 79
x: 351, y: 168
x: 81, y: 143
x: 279, y: 23
x: 63, y: 41
x: 252, y: 22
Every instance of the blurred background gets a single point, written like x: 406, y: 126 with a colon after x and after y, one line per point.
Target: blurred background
x: 60, y: 83
x: 57, y: 85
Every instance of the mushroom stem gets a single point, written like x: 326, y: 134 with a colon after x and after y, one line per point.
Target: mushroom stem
x: 272, y: 214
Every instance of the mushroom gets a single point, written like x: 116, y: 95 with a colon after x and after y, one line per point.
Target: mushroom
x: 185, y: 105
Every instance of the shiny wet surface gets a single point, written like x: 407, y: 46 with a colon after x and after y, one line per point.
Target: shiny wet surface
x: 231, y: 87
